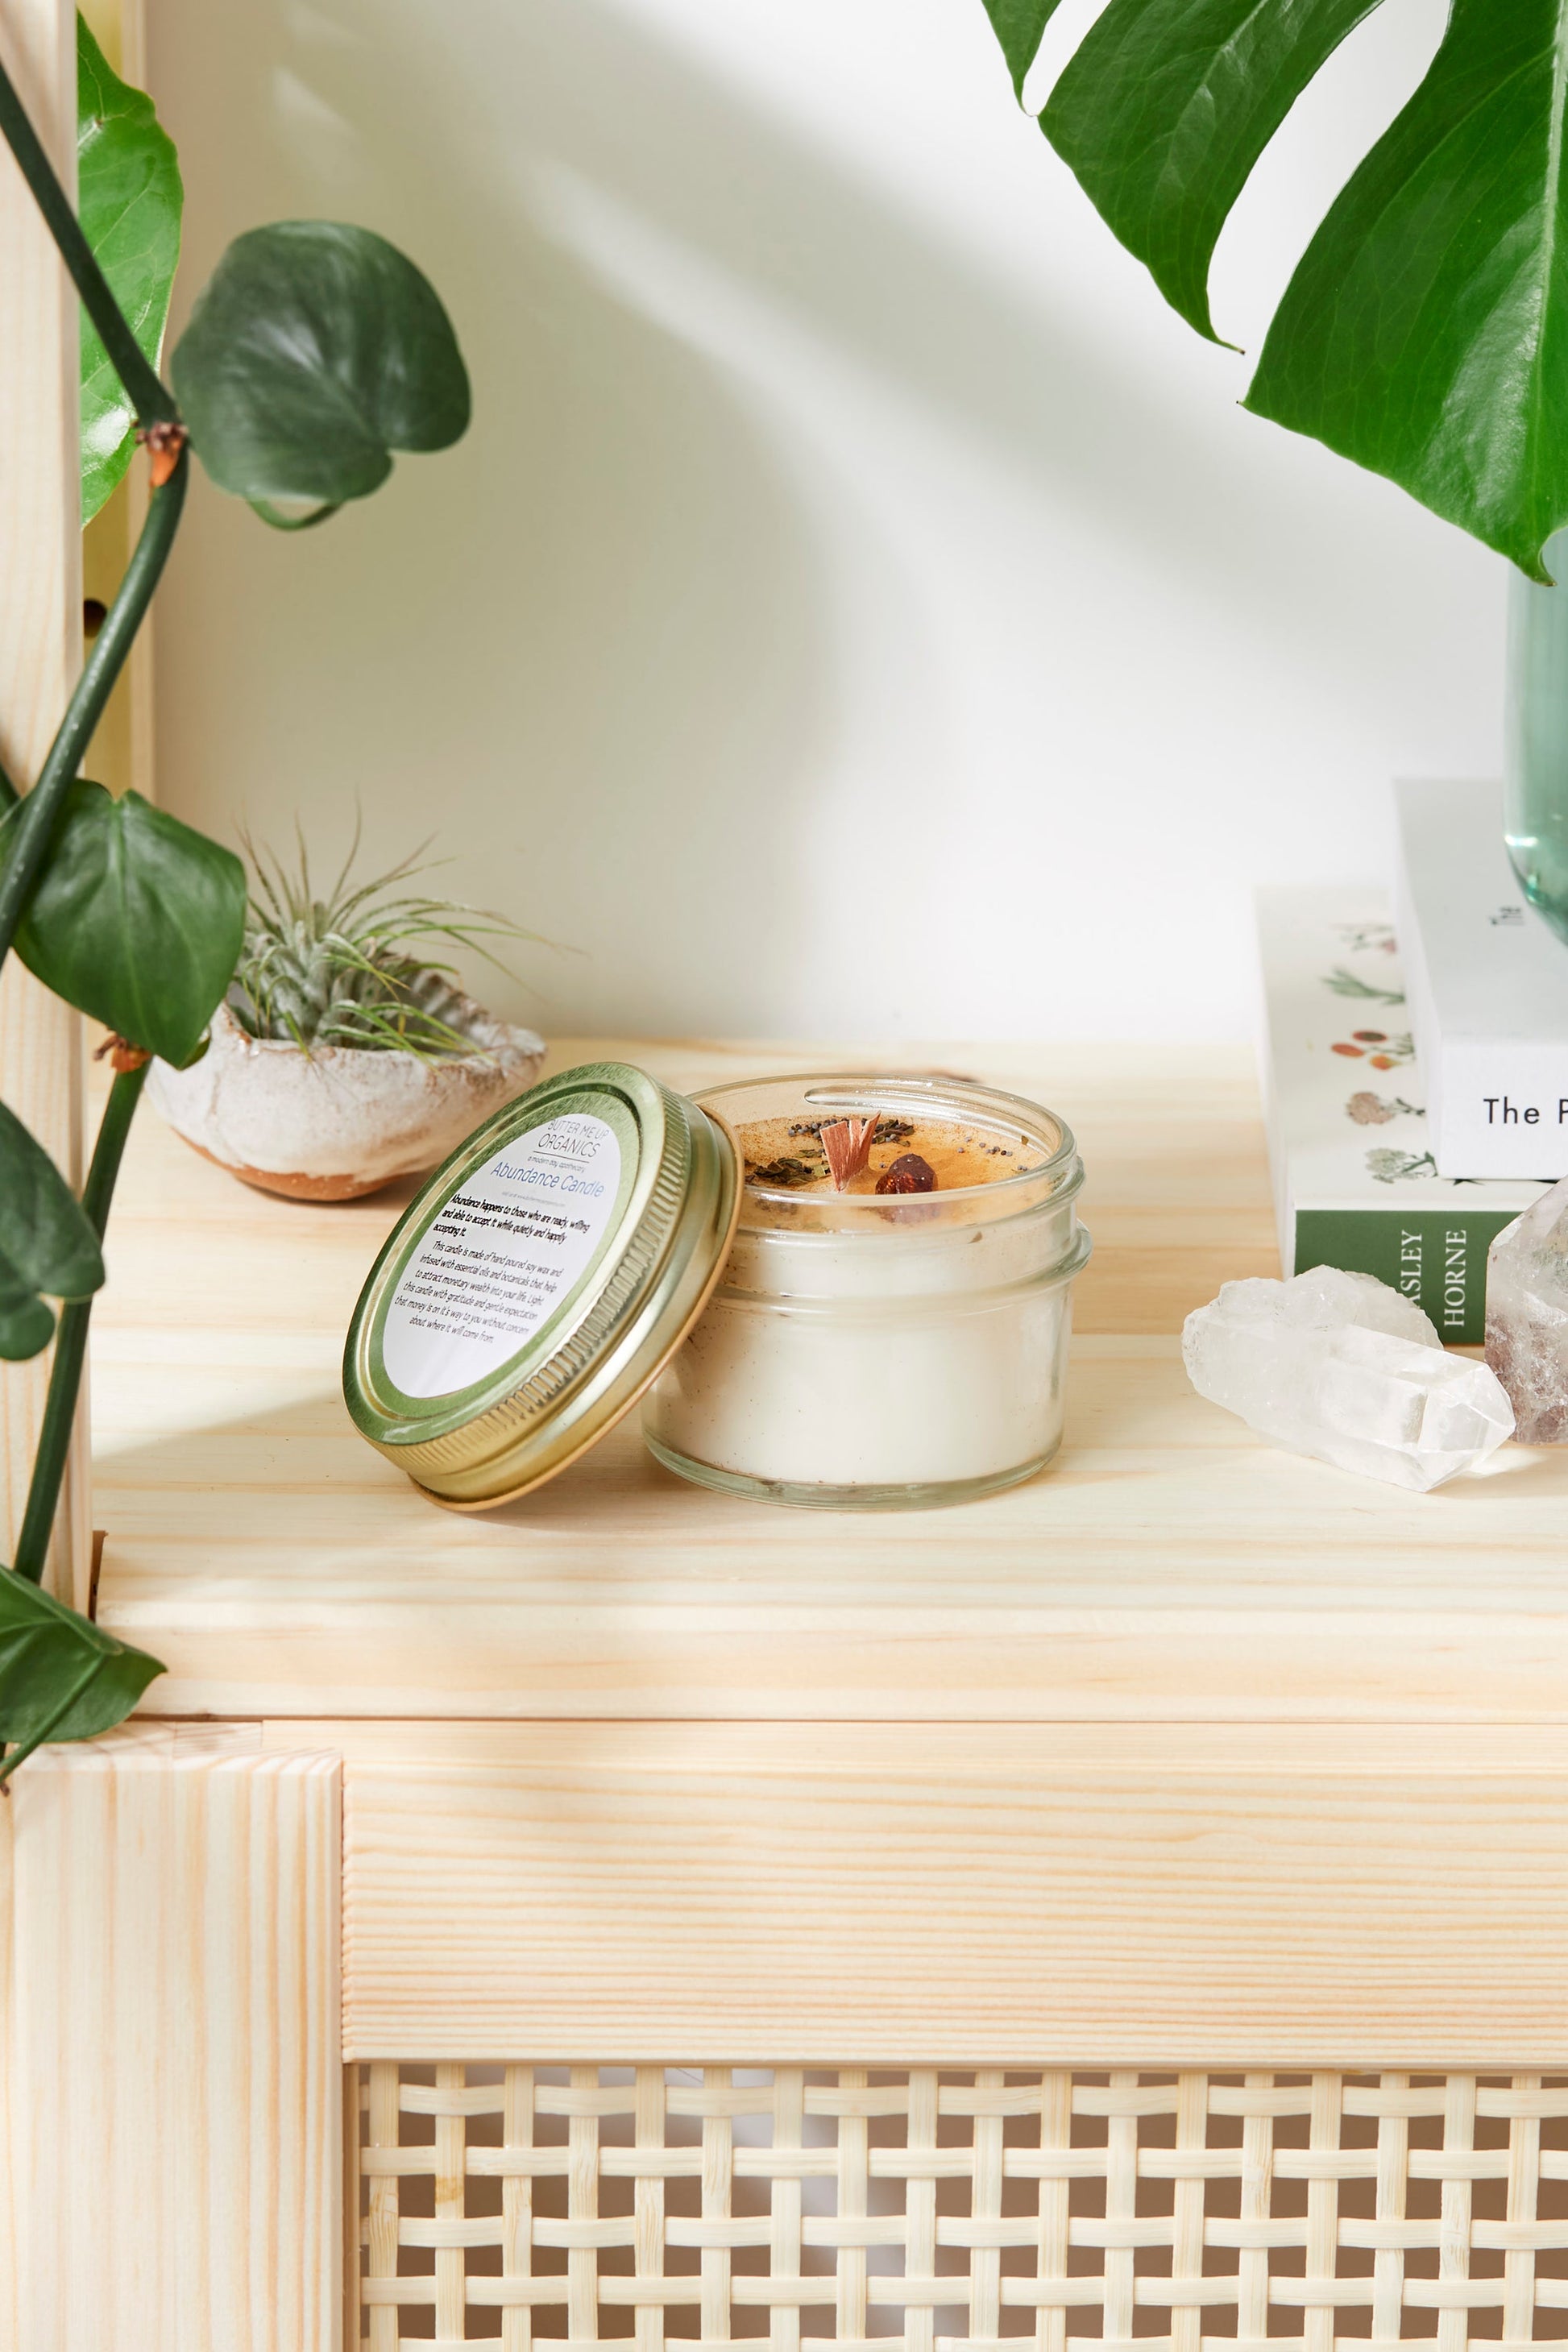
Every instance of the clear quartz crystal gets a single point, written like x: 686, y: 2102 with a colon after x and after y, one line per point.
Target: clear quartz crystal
x: 1527, y: 1316
x: 1341, y: 1367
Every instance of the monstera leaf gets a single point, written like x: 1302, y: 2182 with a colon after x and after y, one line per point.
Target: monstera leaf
x: 1018, y: 24
x: 61, y: 1677
x: 136, y: 920
x: 47, y: 1244
x: 315, y: 350
x: 1425, y: 332
x: 128, y: 199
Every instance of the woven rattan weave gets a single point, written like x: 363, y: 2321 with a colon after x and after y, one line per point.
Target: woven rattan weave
x: 509, y: 2205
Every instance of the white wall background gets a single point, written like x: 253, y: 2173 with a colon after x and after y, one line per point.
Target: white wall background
x: 860, y: 607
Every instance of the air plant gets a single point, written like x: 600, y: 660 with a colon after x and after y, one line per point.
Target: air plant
x: 351, y: 967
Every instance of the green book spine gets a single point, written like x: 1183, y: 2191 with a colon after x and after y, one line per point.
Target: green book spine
x: 1436, y: 1257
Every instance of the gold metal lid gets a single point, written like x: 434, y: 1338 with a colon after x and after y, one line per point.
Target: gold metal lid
x: 529, y: 1295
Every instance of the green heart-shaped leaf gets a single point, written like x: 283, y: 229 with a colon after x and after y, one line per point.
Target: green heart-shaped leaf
x: 47, y: 1244
x: 44, y: 1229
x: 315, y: 350
x: 129, y: 200
x: 27, y: 1325
x: 61, y: 1677
x: 137, y: 919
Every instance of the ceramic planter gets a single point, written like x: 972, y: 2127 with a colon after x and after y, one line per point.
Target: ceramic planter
x: 340, y: 1122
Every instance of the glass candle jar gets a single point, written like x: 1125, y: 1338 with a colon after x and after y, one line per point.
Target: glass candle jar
x: 874, y: 1348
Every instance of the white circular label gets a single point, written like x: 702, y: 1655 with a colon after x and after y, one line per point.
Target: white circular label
x: 505, y: 1252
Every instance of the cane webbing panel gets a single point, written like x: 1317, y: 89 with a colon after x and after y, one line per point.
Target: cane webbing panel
x: 509, y: 2205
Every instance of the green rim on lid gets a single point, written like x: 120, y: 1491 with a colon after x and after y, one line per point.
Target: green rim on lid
x: 527, y: 1296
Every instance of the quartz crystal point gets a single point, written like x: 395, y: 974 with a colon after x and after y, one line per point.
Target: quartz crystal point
x: 1338, y: 1366
x: 1527, y: 1316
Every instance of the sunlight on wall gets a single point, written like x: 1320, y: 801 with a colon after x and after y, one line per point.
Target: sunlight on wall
x: 860, y: 607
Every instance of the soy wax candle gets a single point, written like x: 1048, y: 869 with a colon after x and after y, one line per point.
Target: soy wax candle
x: 847, y: 1292
x: 892, y: 1336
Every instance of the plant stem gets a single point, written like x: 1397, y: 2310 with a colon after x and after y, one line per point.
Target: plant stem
x: 70, y: 1339
x: 153, y: 404
x: 40, y: 811
x: 150, y: 398
x: 35, y: 824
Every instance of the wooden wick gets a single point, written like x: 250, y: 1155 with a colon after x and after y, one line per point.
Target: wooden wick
x: 846, y: 1148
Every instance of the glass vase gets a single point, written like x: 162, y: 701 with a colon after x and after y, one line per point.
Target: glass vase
x: 1535, y: 752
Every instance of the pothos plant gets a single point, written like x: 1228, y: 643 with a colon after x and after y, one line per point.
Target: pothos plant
x: 1425, y: 331
x: 314, y: 351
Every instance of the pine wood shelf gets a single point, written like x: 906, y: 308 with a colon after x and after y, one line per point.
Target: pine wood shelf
x: 1169, y: 1567
x: 731, y: 1907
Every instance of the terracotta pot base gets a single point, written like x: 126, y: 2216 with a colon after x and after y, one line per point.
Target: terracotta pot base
x: 296, y: 1188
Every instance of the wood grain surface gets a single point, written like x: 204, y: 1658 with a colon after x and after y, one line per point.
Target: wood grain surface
x: 1011, y: 1894
x: 1169, y: 1564
x: 171, y: 2080
x: 40, y: 654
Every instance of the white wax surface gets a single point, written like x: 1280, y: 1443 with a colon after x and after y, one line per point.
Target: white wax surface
x: 910, y: 1357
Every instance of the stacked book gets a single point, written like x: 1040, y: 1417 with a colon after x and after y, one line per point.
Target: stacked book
x: 1488, y: 982
x: 1351, y: 1144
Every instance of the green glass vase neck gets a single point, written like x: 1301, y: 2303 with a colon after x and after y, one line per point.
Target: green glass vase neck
x: 1535, y: 762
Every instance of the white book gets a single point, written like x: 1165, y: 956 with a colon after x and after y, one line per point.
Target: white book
x: 1488, y: 984
x: 1350, y: 1147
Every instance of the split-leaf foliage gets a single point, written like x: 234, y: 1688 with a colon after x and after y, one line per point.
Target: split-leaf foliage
x: 1425, y: 331
x: 316, y: 350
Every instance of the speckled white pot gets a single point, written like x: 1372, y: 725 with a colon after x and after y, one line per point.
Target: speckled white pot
x: 337, y: 1123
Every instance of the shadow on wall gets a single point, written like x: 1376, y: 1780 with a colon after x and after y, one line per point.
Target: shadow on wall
x: 590, y: 124
x: 595, y: 631
x: 600, y: 646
